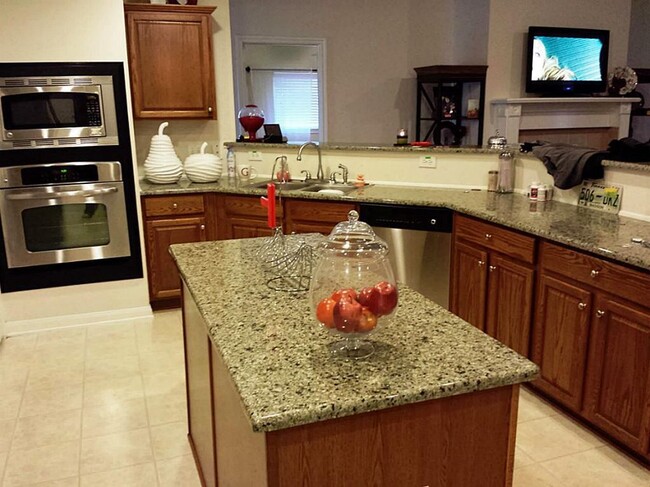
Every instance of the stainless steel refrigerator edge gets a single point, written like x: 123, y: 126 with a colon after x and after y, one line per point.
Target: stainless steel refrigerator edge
x: 419, y: 239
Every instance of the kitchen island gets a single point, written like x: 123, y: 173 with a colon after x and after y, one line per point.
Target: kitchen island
x: 268, y: 405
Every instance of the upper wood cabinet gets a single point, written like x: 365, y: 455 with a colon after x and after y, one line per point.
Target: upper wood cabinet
x: 492, y: 280
x: 170, y: 60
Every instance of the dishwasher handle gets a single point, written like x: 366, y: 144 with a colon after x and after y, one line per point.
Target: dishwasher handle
x: 431, y: 219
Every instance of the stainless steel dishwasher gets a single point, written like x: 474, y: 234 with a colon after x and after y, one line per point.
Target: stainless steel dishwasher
x: 419, y: 239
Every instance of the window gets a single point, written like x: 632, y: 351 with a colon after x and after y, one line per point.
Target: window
x: 295, y: 103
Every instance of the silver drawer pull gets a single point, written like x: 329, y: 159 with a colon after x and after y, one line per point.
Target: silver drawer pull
x: 492, y: 268
x: 433, y: 221
x: 481, y: 263
x: 600, y: 313
x: 582, y: 306
x: 594, y: 273
x: 488, y: 236
x: 44, y: 195
x: 175, y: 206
x: 202, y: 227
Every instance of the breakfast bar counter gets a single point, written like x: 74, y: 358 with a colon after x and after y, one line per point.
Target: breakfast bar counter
x: 268, y: 404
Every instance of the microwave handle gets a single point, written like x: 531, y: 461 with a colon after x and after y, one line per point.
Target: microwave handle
x: 43, y: 195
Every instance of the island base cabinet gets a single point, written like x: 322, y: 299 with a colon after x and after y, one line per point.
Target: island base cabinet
x: 617, y: 390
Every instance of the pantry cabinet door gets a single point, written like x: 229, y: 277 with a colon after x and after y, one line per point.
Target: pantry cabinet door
x: 560, y: 338
x: 617, y: 397
x: 510, y: 302
x: 469, y: 284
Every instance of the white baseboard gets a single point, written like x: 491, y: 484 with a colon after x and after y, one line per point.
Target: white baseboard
x: 20, y: 327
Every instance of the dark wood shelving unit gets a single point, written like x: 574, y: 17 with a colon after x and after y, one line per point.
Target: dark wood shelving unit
x: 443, y: 92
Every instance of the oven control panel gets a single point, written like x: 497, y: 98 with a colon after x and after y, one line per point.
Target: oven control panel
x: 60, y: 173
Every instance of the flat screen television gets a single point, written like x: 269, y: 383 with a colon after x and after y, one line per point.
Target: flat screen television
x: 565, y: 61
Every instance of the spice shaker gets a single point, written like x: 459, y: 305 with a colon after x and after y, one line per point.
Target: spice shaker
x: 493, y: 178
x: 506, y: 180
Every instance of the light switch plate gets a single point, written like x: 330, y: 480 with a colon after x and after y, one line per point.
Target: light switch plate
x: 428, y: 161
x: 254, y: 155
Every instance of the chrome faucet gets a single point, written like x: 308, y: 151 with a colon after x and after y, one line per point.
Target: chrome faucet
x: 319, y: 174
x: 345, y: 171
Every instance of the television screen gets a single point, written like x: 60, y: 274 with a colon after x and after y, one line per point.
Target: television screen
x: 566, y: 61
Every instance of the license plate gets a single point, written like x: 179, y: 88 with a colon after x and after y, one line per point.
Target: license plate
x: 601, y: 196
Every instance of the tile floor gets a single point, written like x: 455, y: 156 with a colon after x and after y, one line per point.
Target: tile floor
x: 105, y: 406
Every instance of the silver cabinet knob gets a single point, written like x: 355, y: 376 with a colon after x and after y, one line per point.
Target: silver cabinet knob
x: 481, y: 262
x: 582, y: 306
x: 600, y: 313
x: 202, y: 227
x: 492, y: 268
x: 433, y: 221
x: 594, y: 273
x: 209, y: 109
x: 175, y: 206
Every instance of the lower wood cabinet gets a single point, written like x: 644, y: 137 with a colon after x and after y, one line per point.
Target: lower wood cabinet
x: 169, y: 220
x: 592, y: 342
x: 492, y: 280
x: 305, y: 216
x: 243, y: 217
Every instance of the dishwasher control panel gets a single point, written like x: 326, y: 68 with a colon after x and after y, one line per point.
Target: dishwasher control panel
x: 431, y: 219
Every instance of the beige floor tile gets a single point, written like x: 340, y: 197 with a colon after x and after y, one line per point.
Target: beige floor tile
x: 600, y: 467
x: 166, y: 408
x: 552, y: 437
x: 58, y: 354
x: 73, y: 336
x: 7, y: 427
x: 114, y: 417
x: 143, y: 475
x: 535, y: 476
x: 112, y: 331
x: 178, y: 471
x: 162, y: 358
x: 45, y: 463
x: 111, y: 391
x: 102, y: 368
x: 43, y: 376
x: 111, y: 347
x: 157, y: 334
x: 17, y: 350
x: 166, y: 382
x: 3, y: 460
x: 532, y: 407
x: 14, y: 377
x: 170, y: 440
x: 47, y: 429
x: 69, y: 482
x: 45, y: 401
x: 522, y: 459
x: 10, y: 404
x: 109, y: 452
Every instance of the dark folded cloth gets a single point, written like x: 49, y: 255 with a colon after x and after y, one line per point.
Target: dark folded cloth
x: 569, y: 164
x: 628, y: 149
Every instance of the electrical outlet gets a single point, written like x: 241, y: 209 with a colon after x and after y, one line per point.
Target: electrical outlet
x: 428, y: 161
x: 254, y: 155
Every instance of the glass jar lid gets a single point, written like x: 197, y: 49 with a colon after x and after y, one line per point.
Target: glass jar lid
x: 354, y: 238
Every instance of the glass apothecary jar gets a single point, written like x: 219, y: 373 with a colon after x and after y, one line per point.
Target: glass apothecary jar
x: 353, y: 289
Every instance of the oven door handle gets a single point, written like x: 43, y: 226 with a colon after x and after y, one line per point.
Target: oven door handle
x: 43, y: 195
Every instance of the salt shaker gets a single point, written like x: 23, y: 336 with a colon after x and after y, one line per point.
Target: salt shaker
x: 506, y: 172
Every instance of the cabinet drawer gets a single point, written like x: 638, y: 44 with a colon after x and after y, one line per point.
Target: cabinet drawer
x: 586, y: 269
x: 246, y: 206
x: 187, y: 204
x: 507, y: 242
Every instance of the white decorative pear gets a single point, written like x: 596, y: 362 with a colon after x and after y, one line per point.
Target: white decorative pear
x: 203, y: 168
x: 162, y: 165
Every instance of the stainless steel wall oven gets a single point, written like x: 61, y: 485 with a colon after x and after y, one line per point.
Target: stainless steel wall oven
x: 68, y: 208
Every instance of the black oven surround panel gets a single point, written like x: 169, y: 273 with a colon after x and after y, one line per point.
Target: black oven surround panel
x: 55, y: 275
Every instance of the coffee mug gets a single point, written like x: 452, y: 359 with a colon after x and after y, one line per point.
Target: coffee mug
x: 246, y: 172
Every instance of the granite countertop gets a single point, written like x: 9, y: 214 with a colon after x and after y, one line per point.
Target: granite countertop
x: 278, y: 357
x: 349, y: 146
x: 582, y: 228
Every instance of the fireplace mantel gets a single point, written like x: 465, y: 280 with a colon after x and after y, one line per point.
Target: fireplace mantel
x: 513, y: 115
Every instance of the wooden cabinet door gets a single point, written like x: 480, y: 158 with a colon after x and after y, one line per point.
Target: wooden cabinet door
x: 510, y: 302
x: 243, y: 217
x: 560, y: 338
x: 469, y: 284
x: 617, y: 393
x: 164, y: 281
x: 303, y: 216
x: 170, y: 61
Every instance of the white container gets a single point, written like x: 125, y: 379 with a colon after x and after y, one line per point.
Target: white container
x: 541, y: 193
x: 534, y: 190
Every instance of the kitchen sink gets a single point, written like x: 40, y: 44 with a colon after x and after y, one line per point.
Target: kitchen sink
x: 329, y: 188
x: 289, y: 185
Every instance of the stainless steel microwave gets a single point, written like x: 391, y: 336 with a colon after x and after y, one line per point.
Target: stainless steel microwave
x: 57, y: 111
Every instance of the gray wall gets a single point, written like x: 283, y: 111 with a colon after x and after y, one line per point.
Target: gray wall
x: 639, y: 49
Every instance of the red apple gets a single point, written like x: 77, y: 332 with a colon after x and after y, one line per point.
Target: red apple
x: 387, y: 297
x: 349, y: 293
x: 347, y: 314
x: 368, y: 321
x: 369, y: 297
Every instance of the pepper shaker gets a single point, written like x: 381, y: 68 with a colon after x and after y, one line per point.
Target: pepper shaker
x: 506, y: 172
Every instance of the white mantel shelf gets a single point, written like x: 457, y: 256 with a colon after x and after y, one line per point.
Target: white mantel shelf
x: 515, y: 114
